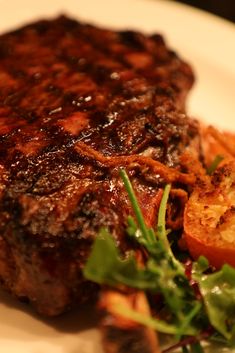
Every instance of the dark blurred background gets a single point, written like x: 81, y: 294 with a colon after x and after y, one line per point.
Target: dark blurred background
x: 223, y: 8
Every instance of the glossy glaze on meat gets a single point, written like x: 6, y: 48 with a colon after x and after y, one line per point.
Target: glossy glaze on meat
x: 64, y: 84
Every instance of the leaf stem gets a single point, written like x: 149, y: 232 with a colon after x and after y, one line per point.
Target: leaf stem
x: 214, y: 164
x: 149, y: 321
x: 135, y: 205
x: 161, y: 226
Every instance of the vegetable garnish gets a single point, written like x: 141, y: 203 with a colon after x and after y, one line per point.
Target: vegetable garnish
x: 218, y: 291
x: 214, y: 164
x: 186, y: 312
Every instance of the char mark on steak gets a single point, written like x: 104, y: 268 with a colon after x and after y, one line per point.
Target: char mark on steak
x: 64, y: 84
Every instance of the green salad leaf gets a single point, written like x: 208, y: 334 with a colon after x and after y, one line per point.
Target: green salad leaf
x: 186, y: 311
x: 106, y: 266
x: 162, y: 273
x: 218, y: 291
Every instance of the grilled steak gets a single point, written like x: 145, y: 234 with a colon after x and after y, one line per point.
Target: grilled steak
x: 77, y: 103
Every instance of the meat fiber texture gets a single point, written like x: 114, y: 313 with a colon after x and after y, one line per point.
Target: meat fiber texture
x: 72, y: 97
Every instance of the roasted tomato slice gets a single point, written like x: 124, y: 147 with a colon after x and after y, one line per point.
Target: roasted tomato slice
x: 209, y: 218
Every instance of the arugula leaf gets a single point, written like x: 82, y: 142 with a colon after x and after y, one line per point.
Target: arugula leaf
x: 218, y: 291
x: 162, y: 273
x: 105, y: 266
x: 113, y: 270
x: 169, y: 272
x: 200, y: 266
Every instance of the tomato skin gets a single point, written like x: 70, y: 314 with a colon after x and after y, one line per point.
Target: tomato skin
x: 217, y: 256
x: 209, y: 218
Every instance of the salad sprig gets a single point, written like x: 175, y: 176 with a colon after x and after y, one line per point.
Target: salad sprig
x: 186, y: 314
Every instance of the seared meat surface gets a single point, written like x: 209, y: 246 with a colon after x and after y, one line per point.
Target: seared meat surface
x: 72, y: 98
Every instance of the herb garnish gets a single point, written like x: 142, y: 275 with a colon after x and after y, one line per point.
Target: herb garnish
x: 185, y: 312
x: 218, y: 291
x: 214, y: 164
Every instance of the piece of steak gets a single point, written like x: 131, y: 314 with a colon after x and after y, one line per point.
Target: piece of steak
x: 76, y: 103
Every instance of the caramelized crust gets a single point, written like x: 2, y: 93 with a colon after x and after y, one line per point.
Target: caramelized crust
x: 209, y: 219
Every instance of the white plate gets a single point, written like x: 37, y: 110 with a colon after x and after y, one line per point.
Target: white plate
x: 205, y: 41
